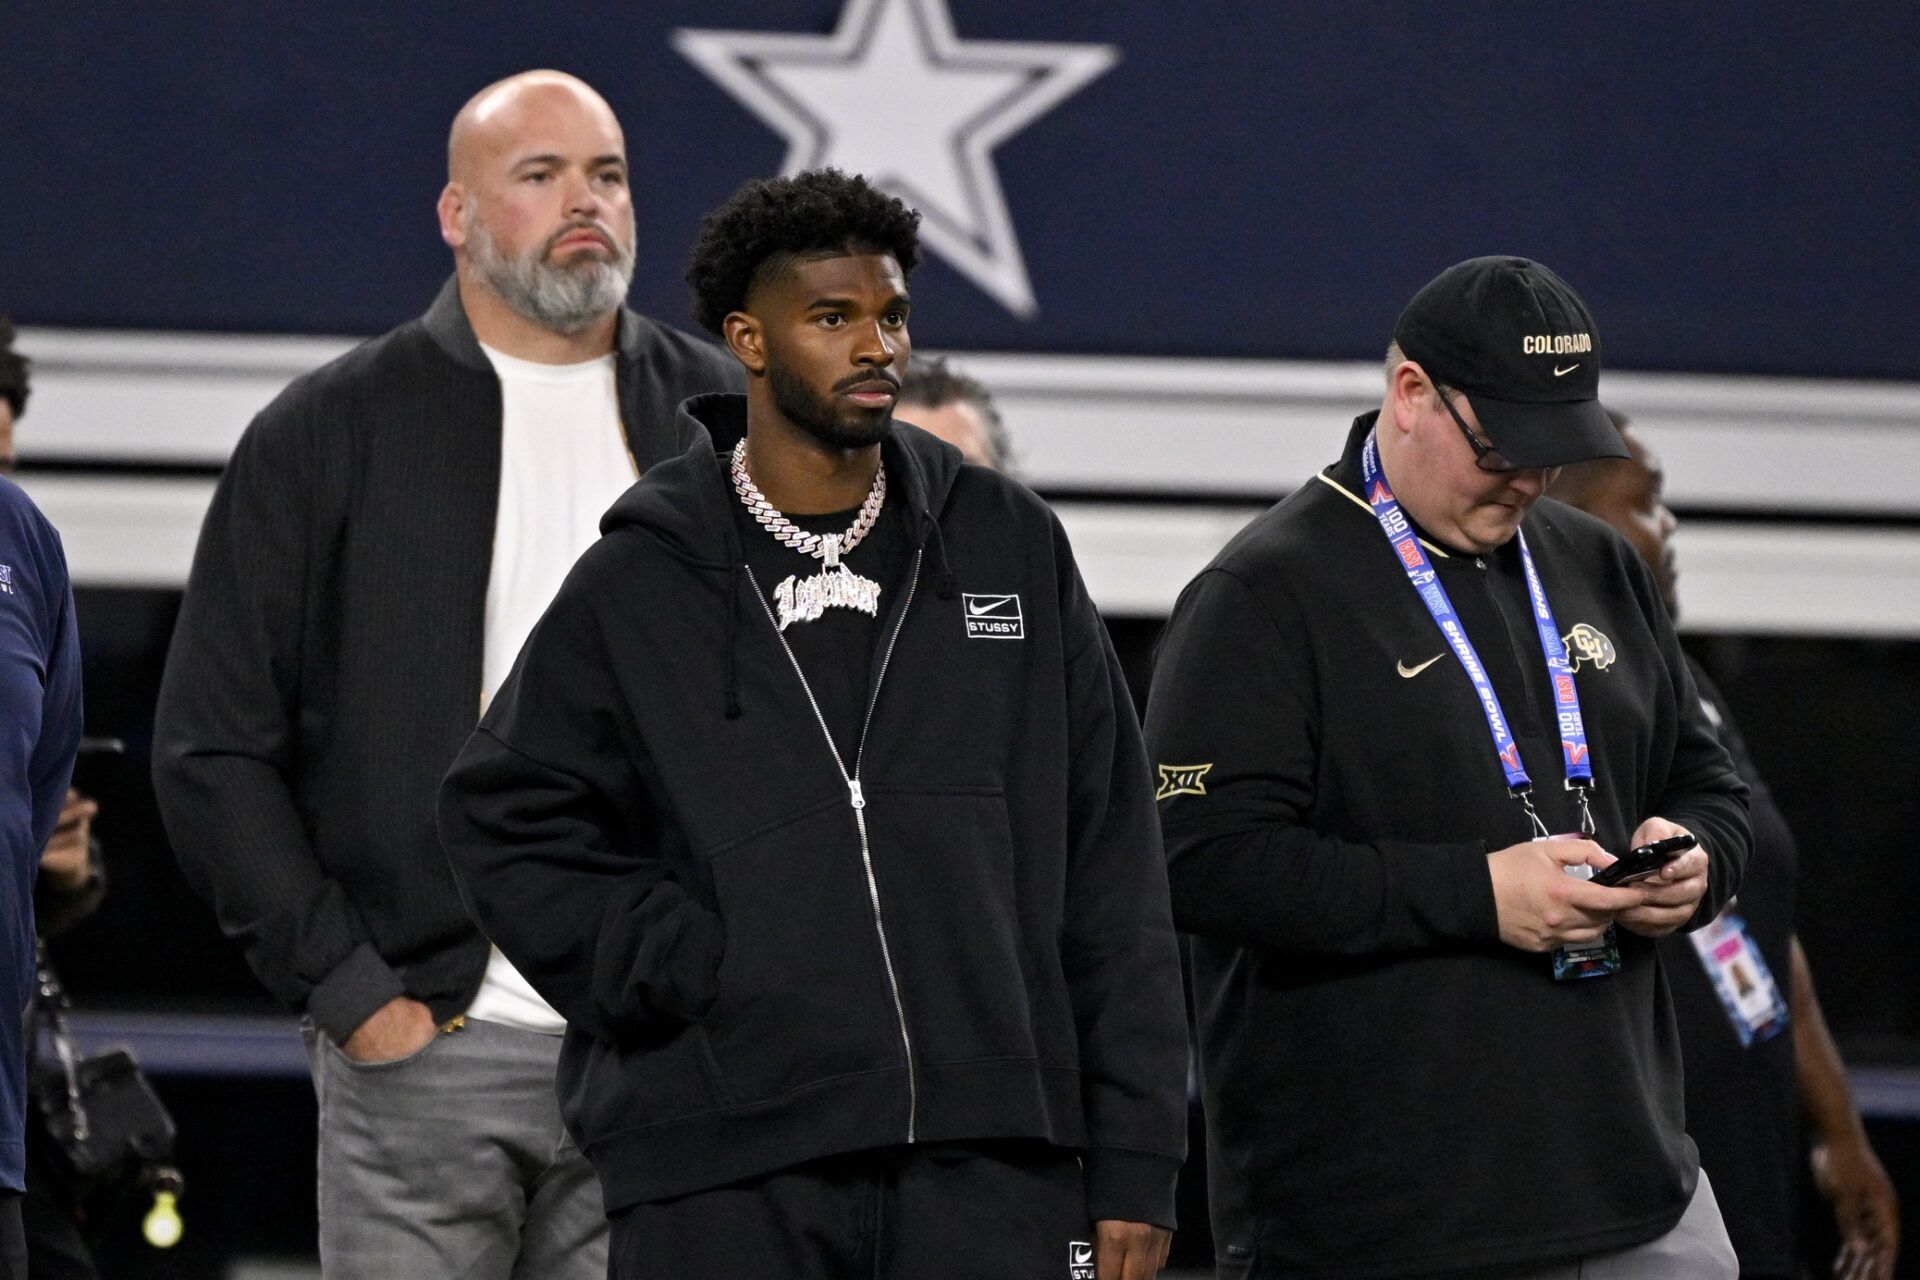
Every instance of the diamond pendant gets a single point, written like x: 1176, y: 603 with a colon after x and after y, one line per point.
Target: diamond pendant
x: 837, y: 587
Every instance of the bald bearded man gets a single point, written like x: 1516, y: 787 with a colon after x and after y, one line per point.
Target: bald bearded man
x: 386, y: 534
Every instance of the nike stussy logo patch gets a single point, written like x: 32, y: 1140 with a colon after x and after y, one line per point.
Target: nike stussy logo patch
x: 993, y: 617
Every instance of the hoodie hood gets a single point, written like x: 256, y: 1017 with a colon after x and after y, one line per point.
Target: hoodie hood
x: 686, y: 502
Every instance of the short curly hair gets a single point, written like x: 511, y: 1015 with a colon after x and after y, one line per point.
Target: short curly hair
x: 768, y: 223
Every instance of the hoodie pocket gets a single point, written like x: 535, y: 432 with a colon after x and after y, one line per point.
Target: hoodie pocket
x: 620, y: 1087
x: 803, y: 995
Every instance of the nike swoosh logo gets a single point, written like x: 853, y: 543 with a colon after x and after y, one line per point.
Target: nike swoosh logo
x: 1410, y: 672
x: 977, y: 609
x: 1558, y: 372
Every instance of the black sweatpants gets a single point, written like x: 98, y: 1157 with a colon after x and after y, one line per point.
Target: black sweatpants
x: 1008, y: 1210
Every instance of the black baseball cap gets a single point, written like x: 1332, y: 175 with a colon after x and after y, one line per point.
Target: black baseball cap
x: 1519, y: 342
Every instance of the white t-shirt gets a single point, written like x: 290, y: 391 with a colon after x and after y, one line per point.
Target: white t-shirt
x: 563, y: 462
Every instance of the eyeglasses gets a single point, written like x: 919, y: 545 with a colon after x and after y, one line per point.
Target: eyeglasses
x: 1485, y: 456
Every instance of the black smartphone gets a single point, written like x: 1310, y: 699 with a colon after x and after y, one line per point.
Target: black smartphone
x: 1643, y: 861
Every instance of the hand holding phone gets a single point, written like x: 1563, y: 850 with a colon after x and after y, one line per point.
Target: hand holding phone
x: 1643, y: 861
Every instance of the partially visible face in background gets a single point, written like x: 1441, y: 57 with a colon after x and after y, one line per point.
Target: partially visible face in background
x: 958, y: 422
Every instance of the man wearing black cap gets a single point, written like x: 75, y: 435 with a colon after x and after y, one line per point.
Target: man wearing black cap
x: 1397, y: 723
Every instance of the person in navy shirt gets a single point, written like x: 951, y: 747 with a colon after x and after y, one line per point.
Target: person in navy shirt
x: 39, y: 737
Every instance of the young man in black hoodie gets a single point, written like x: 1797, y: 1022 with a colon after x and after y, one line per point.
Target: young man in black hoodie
x: 816, y: 805
x: 1425, y: 1047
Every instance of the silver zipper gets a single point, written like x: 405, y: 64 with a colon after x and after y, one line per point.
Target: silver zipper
x: 857, y: 798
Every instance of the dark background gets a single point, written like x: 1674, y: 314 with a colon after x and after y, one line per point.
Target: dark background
x: 1732, y: 189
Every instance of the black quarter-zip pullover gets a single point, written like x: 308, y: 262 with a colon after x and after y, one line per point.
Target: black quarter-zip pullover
x: 1390, y: 1090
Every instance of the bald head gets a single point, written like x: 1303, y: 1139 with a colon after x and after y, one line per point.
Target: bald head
x: 506, y: 111
x: 536, y: 208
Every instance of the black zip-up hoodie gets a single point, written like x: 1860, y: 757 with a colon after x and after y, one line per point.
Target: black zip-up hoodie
x: 761, y: 962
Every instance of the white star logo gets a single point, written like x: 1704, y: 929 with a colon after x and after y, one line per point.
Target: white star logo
x: 894, y: 94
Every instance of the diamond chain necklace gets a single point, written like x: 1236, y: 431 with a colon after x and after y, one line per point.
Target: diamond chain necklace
x: 827, y: 547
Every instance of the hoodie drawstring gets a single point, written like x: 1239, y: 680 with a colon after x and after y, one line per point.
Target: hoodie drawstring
x: 949, y: 589
x: 733, y: 629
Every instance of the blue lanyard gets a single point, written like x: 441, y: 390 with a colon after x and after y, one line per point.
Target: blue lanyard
x: 1566, y: 698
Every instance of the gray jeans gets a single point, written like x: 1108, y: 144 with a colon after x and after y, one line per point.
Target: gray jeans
x: 453, y: 1163
x: 1696, y: 1249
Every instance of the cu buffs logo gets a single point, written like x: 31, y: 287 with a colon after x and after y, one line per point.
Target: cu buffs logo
x: 1182, y: 780
x: 1079, y: 1260
x: 1587, y: 645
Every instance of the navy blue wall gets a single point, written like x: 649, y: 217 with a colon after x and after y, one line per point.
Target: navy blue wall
x: 1732, y: 188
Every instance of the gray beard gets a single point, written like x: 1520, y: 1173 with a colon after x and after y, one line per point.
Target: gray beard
x: 563, y: 299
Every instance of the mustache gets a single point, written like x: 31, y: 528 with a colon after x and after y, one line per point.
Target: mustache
x: 599, y: 228
x: 869, y: 375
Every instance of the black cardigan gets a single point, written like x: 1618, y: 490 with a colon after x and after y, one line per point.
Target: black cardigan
x: 326, y: 666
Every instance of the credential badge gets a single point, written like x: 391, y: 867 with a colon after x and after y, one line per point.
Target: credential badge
x: 1079, y: 1260
x: 1182, y: 780
x: 1587, y: 645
